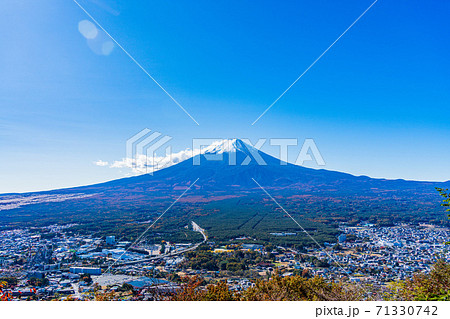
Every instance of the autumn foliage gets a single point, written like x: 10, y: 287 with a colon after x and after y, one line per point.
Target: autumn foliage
x: 4, y: 295
x: 432, y: 286
x: 278, y: 288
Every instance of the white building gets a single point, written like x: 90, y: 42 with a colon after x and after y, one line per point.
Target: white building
x: 86, y: 270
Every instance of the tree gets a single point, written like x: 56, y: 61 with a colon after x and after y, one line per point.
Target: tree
x: 190, y: 291
x: 337, y: 247
x: 432, y: 286
x: 193, y: 291
x: 219, y: 292
x: 174, y: 277
x: 446, y: 195
x: 87, y: 279
x: 4, y: 295
x: 446, y: 201
x: 295, y: 288
x: 223, y: 265
x: 9, y: 281
x: 234, y: 266
x: 126, y: 287
x: 100, y: 296
x: 39, y: 282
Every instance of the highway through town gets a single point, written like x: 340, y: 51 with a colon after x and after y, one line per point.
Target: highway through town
x: 195, y: 227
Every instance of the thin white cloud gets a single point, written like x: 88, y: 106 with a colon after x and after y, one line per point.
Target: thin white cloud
x: 101, y: 163
x: 143, y: 164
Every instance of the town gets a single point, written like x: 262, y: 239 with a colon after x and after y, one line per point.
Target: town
x: 53, y: 263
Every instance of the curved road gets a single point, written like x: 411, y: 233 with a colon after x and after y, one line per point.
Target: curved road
x: 195, y: 228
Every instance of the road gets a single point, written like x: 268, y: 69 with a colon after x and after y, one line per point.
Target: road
x: 195, y: 227
x: 77, y: 292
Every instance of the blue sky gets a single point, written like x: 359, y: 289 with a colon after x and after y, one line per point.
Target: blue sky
x: 376, y: 104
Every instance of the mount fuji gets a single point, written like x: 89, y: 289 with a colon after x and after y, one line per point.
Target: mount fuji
x: 222, y: 189
x: 234, y: 164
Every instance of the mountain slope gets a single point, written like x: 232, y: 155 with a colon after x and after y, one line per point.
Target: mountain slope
x: 229, y: 193
x: 220, y: 167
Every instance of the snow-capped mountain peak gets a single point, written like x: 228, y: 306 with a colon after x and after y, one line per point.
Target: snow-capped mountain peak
x: 226, y: 146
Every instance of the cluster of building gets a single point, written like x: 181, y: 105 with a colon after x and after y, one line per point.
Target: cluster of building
x: 54, y: 264
x: 379, y: 254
